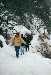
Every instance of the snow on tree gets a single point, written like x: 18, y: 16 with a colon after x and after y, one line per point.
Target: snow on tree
x: 2, y: 41
x: 22, y: 29
x: 45, y: 47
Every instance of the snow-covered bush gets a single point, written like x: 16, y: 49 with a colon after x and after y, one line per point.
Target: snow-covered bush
x: 45, y: 47
x: 2, y: 41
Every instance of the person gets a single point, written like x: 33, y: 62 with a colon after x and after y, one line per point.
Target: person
x: 22, y: 45
x: 28, y: 39
x: 17, y: 41
x: 27, y: 44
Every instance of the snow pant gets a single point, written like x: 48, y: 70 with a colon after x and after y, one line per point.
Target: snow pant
x: 27, y: 48
x: 22, y: 50
x: 17, y: 50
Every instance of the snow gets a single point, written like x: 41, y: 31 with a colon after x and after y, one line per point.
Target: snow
x: 12, y: 22
x: 49, y: 41
x: 3, y: 40
x: 50, y: 36
x: 5, y: 11
x: 22, y: 29
x: 35, y: 41
x: 41, y: 30
x: 27, y: 64
x: 1, y: 4
x: 19, y: 28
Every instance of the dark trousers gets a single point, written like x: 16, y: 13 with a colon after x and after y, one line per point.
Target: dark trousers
x: 17, y: 50
x: 27, y: 47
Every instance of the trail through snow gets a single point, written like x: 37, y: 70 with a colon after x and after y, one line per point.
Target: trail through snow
x: 27, y: 64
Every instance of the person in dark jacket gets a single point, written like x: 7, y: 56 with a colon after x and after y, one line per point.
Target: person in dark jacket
x: 28, y: 39
x: 22, y: 45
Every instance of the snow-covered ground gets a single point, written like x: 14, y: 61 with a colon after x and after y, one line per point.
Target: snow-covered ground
x: 27, y: 64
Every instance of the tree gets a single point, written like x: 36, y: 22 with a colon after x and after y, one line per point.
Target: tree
x: 1, y: 31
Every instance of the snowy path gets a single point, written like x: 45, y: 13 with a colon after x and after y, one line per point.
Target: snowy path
x: 28, y: 64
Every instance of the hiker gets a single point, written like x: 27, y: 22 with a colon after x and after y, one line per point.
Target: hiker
x: 22, y: 45
x: 28, y: 39
x: 17, y: 41
x: 27, y: 44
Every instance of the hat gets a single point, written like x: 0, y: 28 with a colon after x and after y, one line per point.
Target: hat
x: 17, y: 33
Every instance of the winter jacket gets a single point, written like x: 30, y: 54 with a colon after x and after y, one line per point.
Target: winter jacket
x: 17, y: 41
